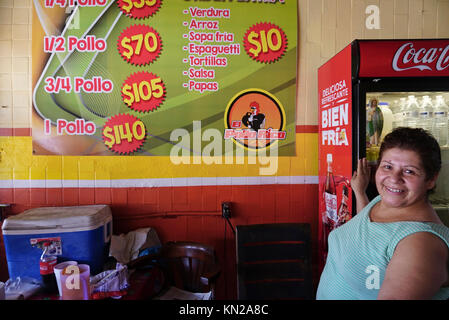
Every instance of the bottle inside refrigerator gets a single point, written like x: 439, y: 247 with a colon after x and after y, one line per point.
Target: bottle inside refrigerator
x: 427, y: 110
x: 440, y: 118
x: 411, y: 112
x: 425, y: 114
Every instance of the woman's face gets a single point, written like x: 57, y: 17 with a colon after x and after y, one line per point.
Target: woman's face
x: 401, y: 179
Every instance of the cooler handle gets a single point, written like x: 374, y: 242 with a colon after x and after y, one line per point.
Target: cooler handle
x: 107, y: 231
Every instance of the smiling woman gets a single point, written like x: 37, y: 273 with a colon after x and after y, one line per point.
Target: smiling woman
x: 403, y: 184
x: 398, y: 233
x: 410, y: 160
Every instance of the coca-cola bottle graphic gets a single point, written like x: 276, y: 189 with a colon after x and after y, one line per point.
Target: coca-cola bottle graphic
x: 46, y: 267
x: 343, y: 211
x: 330, y: 200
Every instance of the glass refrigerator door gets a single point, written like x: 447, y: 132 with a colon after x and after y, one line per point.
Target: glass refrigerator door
x: 428, y: 110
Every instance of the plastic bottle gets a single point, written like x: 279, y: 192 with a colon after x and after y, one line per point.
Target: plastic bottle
x: 400, y: 114
x: 411, y: 112
x: 396, y: 110
x: 425, y: 112
x: 440, y: 121
x: 388, y: 119
x: 394, y: 106
x: 46, y: 265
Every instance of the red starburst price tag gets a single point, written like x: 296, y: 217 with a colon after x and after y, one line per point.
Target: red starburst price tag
x: 139, y: 9
x: 124, y: 133
x: 139, y: 44
x: 143, y: 91
x: 265, y: 42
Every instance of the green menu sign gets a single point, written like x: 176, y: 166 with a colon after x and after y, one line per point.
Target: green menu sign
x: 158, y: 77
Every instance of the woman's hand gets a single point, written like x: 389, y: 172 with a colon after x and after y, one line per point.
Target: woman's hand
x: 360, y: 178
x: 359, y: 183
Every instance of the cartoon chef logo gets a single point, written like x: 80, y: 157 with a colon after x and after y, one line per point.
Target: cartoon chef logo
x: 254, y: 119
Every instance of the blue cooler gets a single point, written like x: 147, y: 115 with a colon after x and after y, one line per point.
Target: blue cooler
x: 81, y: 233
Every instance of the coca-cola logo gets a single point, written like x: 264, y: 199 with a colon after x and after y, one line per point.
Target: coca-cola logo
x: 408, y: 57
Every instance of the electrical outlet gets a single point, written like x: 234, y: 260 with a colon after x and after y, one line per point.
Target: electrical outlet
x: 226, y: 210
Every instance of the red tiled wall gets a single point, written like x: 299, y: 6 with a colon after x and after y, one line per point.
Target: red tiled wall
x: 184, y: 213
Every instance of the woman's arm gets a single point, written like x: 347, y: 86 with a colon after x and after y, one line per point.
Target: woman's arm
x: 417, y: 269
x: 359, y: 184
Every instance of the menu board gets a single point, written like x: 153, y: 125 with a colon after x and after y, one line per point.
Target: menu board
x: 159, y: 77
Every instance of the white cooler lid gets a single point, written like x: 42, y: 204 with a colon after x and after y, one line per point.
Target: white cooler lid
x: 58, y: 219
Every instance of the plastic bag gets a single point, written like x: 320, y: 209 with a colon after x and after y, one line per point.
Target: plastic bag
x: 110, y: 283
x: 21, y: 288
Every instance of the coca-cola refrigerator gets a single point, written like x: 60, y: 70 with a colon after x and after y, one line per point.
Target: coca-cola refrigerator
x: 364, y: 91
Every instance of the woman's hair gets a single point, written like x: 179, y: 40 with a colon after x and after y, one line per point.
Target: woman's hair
x: 419, y: 141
